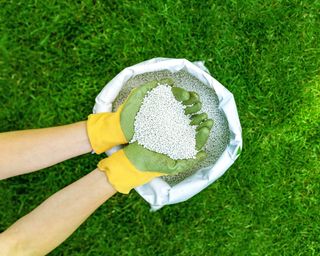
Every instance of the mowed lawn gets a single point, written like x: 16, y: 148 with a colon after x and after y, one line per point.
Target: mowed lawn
x: 55, y: 56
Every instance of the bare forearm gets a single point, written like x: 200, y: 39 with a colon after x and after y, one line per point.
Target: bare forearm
x: 58, y: 217
x: 31, y: 150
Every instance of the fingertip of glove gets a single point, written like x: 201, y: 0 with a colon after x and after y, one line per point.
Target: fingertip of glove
x: 201, y: 155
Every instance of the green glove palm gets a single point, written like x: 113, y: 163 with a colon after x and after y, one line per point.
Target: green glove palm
x: 147, y: 160
x: 132, y: 105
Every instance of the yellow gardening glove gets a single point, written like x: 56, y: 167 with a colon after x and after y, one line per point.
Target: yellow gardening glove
x: 122, y: 174
x: 135, y: 165
x: 104, y: 131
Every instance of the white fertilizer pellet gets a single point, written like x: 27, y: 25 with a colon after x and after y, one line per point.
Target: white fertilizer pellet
x: 219, y: 135
x: 162, y: 126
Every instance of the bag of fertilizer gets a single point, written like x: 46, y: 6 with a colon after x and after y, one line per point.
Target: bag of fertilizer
x: 225, y: 141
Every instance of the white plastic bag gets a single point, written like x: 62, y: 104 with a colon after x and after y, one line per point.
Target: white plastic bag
x: 158, y: 192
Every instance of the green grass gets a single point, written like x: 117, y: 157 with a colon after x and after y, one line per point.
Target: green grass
x: 57, y: 55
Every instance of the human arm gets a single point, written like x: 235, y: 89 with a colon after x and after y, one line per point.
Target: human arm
x: 48, y: 225
x: 31, y: 150
x: 53, y: 221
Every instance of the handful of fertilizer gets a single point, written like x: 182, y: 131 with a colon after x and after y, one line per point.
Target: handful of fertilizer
x: 165, y: 125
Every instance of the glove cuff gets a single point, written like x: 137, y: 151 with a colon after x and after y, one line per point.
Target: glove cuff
x: 122, y: 174
x: 104, y: 131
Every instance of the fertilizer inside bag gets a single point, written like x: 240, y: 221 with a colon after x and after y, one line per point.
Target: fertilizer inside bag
x: 219, y: 135
x: 225, y: 141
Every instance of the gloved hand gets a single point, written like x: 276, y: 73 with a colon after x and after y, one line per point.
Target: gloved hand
x: 106, y: 130
x: 135, y: 165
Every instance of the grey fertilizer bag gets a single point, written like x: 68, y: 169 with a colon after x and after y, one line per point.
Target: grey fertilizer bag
x: 225, y: 141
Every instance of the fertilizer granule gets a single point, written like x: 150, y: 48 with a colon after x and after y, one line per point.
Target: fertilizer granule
x: 162, y: 126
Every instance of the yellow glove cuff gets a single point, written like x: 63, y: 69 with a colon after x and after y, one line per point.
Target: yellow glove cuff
x: 122, y: 175
x: 104, y: 131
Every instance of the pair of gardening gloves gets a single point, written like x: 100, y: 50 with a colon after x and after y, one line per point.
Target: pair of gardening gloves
x: 135, y: 165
